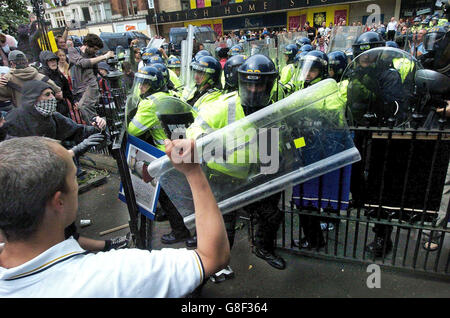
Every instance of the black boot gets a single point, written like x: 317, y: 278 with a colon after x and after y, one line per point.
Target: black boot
x: 270, y: 257
x: 382, y: 243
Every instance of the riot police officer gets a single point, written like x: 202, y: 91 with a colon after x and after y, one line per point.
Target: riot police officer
x: 437, y: 44
x: 207, y: 76
x: 376, y: 96
x: 230, y: 71
x: 416, y: 27
x: 367, y: 41
x: 173, y: 82
x: 305, y: 48
x: 215, y: 115
x: 338, y: 62
x: 287, y: 72
x: 257, y: 77
x: 147, y: 54
x: 174, y: 64
x: 152, y: 85
x: 313, y: 67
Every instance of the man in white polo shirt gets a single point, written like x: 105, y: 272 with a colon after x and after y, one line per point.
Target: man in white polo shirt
x: 392, y: 29
x: 39, y: 198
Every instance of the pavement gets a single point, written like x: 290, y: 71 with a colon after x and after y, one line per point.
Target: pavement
x: 304, y: 277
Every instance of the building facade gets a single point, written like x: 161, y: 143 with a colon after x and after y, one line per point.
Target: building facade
x: 224, y: 16
x: 96, y: 16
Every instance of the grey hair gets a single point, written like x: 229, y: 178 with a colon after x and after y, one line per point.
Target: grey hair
x: 30, y: 174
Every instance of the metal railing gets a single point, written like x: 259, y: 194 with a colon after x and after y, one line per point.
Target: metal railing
x: 397, y: 186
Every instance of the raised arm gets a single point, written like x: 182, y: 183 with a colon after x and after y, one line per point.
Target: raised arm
x: 212, y: 242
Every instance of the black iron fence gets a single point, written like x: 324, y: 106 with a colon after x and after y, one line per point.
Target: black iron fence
x: 391, y: 208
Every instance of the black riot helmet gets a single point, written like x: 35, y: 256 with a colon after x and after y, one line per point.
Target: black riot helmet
x: 164, y: 71
x: 392, y: 44
x: 290, y: 51
x: 148, y: 80
x: 437, y: 44
x: 201, y: 54
x: 256, y: 79
x: 207, y: 70
x: 338, y: 63
x: 367, y: 41
x: 302, y: 41
x: 230, y: 70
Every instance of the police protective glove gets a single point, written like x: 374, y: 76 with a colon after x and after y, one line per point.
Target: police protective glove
x: 85, y: 145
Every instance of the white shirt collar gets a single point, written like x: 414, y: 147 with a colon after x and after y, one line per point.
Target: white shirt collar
x: 56, y: 254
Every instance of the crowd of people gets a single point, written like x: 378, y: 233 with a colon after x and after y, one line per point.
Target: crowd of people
x: 394, y: 30
x: 56, y: 95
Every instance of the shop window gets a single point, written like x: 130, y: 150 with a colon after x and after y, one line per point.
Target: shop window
x: 86, y: 14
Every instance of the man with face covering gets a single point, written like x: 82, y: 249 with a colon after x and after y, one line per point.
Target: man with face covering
x: 37, y: 116
x: 85, y: 62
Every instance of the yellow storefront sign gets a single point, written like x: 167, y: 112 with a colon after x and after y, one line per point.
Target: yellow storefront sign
x: 309, y: 13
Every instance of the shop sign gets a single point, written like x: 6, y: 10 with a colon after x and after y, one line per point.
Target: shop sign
x: 235, y: 9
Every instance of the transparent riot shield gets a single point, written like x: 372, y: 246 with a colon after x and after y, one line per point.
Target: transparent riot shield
x: 175, y: 116
x: 257, y: 47
x: 283, y: 40
x: 133, y: 100
x: 187, y: 48
x: 211, y: 48
x: 284, y: 144
x: 380, y: 87
x: 343, y: 37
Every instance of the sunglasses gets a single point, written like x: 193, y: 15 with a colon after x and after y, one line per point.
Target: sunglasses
x: 49, y: 93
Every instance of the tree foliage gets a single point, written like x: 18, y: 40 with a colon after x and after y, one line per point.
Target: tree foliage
x: 12, y: 14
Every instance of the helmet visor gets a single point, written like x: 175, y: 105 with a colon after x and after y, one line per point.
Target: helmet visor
x: 255, y: 90
x: 311, y: 68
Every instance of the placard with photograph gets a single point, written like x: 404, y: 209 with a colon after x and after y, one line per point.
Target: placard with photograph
x: 139, y: 155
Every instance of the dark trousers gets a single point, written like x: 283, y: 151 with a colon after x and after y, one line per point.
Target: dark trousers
x: 268, y: 217
x: 311, y: 229
x: 230, y: 225
x: 391, y: 35
x: 174, y: 217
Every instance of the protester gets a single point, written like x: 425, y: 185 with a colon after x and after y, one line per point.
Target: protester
x: 64, y: 66
x: 61, y: 40
x: 84, y: 60
x: 35, y: 211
